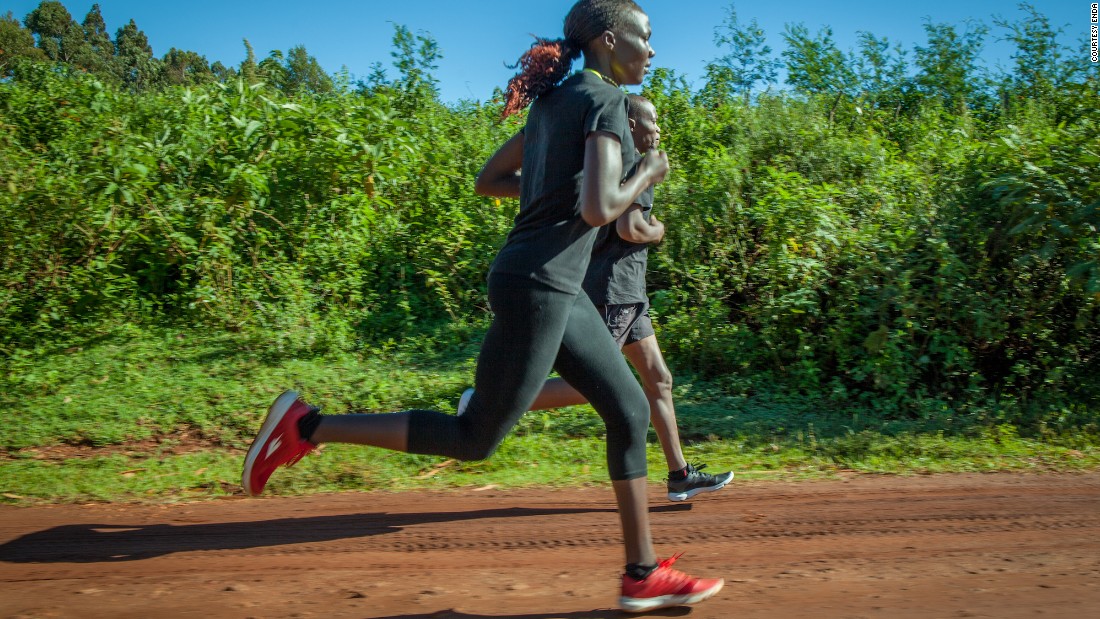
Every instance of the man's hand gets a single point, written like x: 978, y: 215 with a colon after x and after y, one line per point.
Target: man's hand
x: 658, y: 229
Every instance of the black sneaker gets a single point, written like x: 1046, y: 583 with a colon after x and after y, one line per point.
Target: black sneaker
x: 696, y: 482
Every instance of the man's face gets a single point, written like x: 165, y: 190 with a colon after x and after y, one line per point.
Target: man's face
x: 643, y: 126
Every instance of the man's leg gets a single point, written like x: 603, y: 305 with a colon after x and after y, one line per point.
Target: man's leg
x: 645, y: 355
x: 684, y: 480
x: 556, y: 393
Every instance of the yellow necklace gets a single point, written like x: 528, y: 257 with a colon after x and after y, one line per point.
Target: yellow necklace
x: 602, y: 77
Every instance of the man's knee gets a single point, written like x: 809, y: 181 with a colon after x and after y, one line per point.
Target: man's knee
x: 662, y: 380
x: 646, y: 357
x: 657, y: 381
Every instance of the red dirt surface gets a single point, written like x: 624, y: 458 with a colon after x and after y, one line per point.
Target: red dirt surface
x: 996, y: 545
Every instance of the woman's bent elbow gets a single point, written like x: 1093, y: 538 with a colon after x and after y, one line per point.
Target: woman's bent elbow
x: 594, y: 219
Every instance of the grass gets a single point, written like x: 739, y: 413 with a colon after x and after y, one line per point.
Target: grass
x: 164, y: 415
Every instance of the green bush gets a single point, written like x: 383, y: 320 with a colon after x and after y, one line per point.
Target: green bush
x: 233, y: 206
x: 918, y: 265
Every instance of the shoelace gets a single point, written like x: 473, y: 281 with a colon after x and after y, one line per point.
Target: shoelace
x: 669, y: 561
x: 694, y: 468
x: 670, y: 574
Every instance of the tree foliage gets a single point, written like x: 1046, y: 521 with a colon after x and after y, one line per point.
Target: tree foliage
x: 16, y: 44
x: 59, y: 37
x: 136, y: 64
x: 51, y: 34
x: 815, y: 65
x: 949, y: 64
x: 748, y: 60
x: 98, y: 52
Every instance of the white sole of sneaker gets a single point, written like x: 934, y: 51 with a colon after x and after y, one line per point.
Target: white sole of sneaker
x: 683, y: 496
x: 464, y: 401
x: 274, y: 416
x: 641, y: 605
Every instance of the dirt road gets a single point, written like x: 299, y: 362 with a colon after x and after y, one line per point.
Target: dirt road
x: 994, y: 545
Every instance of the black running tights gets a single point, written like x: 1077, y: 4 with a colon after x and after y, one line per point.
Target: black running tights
x: 536, y: 329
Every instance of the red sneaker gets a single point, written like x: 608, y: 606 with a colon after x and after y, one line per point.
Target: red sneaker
x: 278, y: 442
x: 666, y: 587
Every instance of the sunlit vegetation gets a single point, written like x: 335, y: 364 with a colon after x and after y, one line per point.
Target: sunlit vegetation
x: 900, y: 234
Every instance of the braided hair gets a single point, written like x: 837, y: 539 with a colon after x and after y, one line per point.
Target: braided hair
x: 548, y: 61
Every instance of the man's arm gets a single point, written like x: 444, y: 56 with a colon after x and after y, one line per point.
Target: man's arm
x: 633, y: 227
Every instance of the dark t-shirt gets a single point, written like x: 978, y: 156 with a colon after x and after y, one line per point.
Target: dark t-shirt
x: 617, y: 272
x: 550, y: 243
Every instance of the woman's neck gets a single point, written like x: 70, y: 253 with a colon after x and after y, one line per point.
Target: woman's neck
x: 603, y: 69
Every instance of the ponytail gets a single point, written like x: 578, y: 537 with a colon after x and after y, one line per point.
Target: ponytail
x: 541, y: 68
x: 547, y: 62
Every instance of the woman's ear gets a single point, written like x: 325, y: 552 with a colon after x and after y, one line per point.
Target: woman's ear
x: 608, y: 39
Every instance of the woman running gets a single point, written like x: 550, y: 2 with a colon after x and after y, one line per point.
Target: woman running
x: 572, y: 154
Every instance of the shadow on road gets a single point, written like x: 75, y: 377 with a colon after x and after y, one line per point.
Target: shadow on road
x: 95, y: 543
x: 681, y: 611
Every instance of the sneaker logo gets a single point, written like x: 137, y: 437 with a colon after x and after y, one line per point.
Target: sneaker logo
x: 273, y: 446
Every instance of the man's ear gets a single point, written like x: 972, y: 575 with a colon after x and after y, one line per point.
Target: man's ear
x: 633, y: 124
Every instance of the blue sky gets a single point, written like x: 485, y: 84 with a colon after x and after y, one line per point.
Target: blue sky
x: 478, y: 37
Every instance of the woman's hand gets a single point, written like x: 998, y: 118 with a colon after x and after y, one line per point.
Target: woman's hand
x: 655, y: 164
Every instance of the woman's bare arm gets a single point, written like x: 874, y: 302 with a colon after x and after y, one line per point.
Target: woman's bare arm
x: 500, y: 175
x: 603, y: 198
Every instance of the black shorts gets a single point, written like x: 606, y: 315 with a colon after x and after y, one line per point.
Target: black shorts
x: 628, y: 322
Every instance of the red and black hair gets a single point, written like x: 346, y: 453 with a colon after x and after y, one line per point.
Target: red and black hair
x: 548, y: 61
